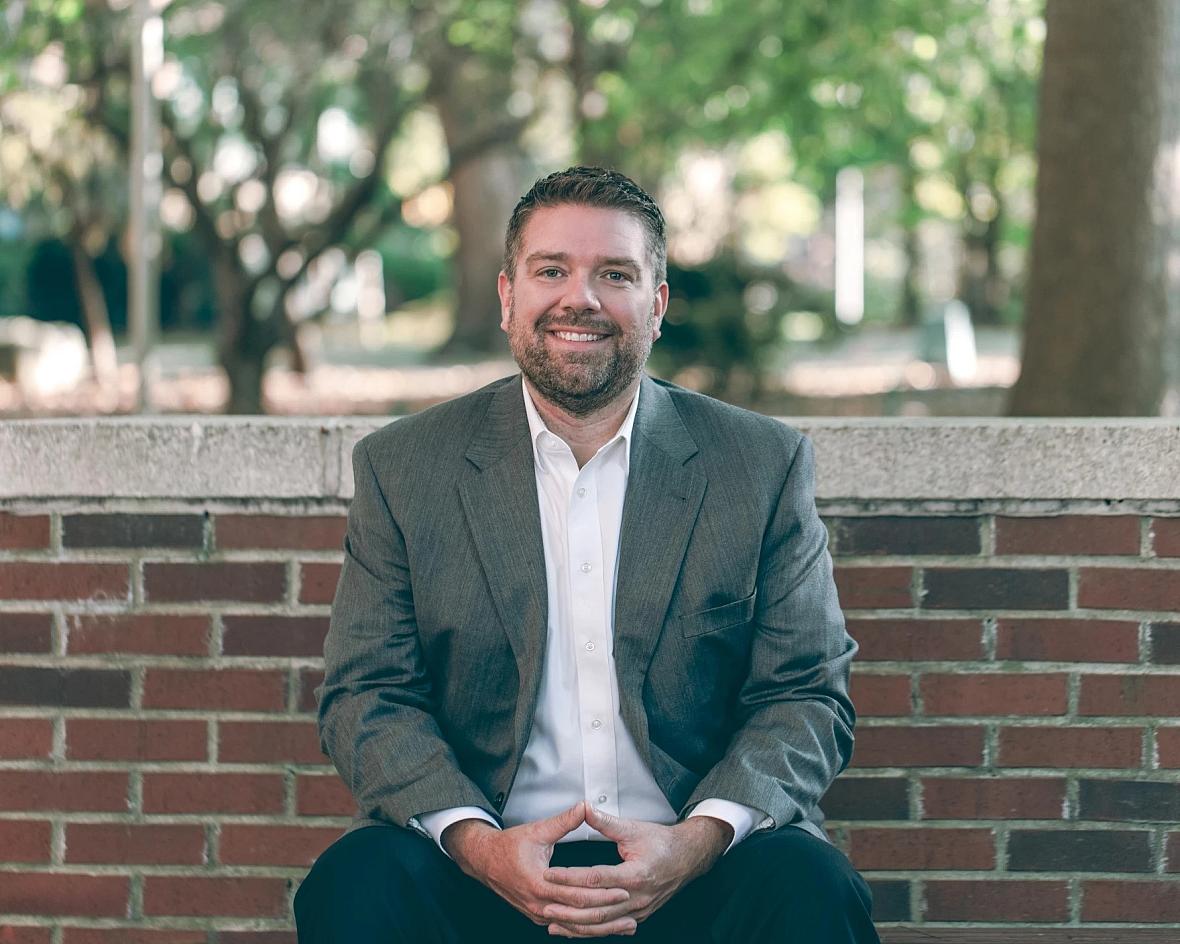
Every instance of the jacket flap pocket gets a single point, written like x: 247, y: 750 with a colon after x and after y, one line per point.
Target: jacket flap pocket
x: 718, y: 617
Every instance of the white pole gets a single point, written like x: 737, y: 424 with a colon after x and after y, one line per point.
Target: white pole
x: 850, y: 245
x: 147, y: 53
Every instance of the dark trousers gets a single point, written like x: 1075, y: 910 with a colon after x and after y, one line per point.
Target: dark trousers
x: 386, y: 885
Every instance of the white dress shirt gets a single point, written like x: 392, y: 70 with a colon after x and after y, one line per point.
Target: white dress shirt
x: 579, y: 747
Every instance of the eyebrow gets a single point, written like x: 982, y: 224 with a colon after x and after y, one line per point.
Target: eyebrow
x: 620, y: 262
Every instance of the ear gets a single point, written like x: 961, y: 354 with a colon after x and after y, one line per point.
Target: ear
x: 659, y: 306
x: 504, y: 290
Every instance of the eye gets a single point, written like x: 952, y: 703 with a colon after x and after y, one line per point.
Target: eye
x: 550, y: 272
x: 615, y: 276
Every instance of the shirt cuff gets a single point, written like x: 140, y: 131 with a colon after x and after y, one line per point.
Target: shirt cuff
x: 744, y: 819
x: 434, y: 823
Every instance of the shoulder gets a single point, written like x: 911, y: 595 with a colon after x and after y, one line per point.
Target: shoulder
x: 434, y: 438
x: 719, y: 426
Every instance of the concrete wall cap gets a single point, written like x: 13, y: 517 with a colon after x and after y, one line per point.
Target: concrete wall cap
x: 211, y: 457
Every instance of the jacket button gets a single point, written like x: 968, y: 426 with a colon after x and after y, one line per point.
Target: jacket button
x: 499, y: 801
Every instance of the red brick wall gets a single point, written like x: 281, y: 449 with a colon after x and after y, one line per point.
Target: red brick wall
x: 1017, y: 759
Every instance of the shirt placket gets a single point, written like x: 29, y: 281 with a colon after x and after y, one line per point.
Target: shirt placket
x: 592, y: 641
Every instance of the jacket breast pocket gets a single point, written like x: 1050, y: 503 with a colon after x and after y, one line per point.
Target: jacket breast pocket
x: 718, y: 617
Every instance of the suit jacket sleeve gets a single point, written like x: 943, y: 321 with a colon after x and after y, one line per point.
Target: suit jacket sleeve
x: 376, y: 711
x: 793, y: 720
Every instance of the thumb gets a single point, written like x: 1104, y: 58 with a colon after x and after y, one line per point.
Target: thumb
x: 566, y: 821
x: 613, y: 827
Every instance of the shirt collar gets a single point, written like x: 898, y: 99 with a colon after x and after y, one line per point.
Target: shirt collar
x: 537, y: 428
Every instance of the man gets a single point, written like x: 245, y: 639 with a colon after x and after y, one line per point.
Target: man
x: 587, y: 673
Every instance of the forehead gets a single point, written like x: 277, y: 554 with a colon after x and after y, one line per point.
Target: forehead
x: 583, y: 231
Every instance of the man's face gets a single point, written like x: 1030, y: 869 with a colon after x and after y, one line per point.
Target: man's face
x: 582, y: 311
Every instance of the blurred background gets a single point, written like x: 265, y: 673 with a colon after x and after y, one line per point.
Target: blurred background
x: 876, y: 207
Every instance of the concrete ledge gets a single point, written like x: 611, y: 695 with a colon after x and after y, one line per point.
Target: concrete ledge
x: 207, y: 457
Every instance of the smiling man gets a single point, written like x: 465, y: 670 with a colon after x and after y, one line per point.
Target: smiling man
x: 587, y: 672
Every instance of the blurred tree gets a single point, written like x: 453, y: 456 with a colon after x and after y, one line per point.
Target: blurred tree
x: 1107, y: 207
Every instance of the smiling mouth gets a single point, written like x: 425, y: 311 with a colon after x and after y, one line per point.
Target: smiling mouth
x: 578, y: 336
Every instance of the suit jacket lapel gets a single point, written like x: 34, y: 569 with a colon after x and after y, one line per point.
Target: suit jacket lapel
x: 662, y: 502
x: 500, y: 501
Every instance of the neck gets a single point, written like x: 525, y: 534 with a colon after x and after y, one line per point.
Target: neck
x: 585, y: 435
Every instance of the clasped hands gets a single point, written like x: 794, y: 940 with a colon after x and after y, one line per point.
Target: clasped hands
x: 595, y: 901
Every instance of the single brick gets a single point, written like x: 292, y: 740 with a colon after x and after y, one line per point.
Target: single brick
x: 135, y: 740
x: 139, y: 633
x: 880, y: 695
x: 993, y: 798
x: 1070, y: 747
x: 889, y: 534
x: 221, y: 897
x: 52, y: 581
x: 994, y: 694
x: 90, y: 792
x: 66, y: 688
x: 309, y: 681
x: 215, y: 689
x: 322, y: 532
x: 993, y: 900
x: 25, y: 934
x: 127, y: 844
x: 1165, y: 534
x: 22, y: 738
x: 212, y: 793
x: 891, y: 900
x: 1168, y: 743
x: 1172, y: 853
x: 1068, y: 534
x: 857, y: 798
x: 256, y: 937
x: 914, y: 746
x: 45, y: 893
x: 133, y: 531
x: 1165, y: 643
x: 133, y: 936
x: 888, y: 849
x: 24, y: 841
x: 274, y: 635
x: 274, y: 845
x: 1157, y: 695
x: 917, y: 640
x: 26, y: 632
x: 266, y: 742
x: 323, y: 795
x: 317, y: 582
x: 999, y: 588
x: 1124, y: 588
x: 1145, y: 801
x: 1079, y: 850
x: 1146, y: 902
x: 23, y: 532
x: 866, y: 588
x: 238, y: 582
x: 1067, y: 640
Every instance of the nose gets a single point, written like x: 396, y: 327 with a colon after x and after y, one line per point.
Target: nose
x: 579, y: 294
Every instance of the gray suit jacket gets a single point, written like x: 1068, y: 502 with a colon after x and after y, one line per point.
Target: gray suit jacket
x: 730, y: 647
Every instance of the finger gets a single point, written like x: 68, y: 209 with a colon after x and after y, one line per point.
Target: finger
x: 613, y: 827
x: 576, y: 917
x: 553, y: 828
x: 597, y: 876
x: 624, y: 926
x: 584, y: 897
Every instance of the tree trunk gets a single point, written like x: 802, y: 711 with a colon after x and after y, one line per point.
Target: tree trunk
x: 910, y: 303
x: 1097, y: 296
x: 981, y: 284
x: 245, y: 340
x: 486, y: 187
x: 98, y: 321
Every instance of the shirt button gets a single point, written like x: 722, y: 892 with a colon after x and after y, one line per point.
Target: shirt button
x: 581, y: 493
x: 589, y: 647
x: 586, y: 568
x: 602, y: 798
x: 596, y: 723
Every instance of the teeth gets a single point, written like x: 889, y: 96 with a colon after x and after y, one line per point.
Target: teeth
x: 570, y: 336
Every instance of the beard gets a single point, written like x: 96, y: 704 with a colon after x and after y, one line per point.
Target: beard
x: 580, y: 382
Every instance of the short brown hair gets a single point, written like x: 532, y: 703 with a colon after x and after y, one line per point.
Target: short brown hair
x: 596, y: 187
